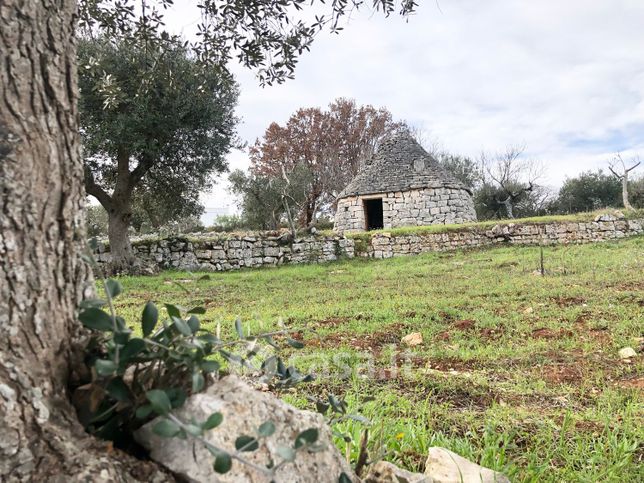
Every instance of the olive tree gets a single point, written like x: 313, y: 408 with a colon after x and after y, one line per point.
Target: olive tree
x: 155, y: 124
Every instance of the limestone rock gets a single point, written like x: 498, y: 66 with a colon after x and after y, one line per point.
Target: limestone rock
x: 444, y: 466
x: 244, y: 409
x: 606, y: 217
x: 385, y: 472
x: 627, y: 353
x: 413, y: 339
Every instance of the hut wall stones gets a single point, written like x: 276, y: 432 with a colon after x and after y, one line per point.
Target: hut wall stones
x: 402, y: 185
x: 425, y: 206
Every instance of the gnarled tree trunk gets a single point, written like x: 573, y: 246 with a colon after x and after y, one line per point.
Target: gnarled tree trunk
x: 119, y: 238
x: 42, y: 278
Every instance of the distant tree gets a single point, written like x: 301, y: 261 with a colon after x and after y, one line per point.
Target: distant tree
x: 587, y: 192
x: 96, y: 221
x: 228, y: 223
x: 509, y: 180
x: 463, y: 168
x: 619, y: 169
x: 156, y: 138
x: 266, y: 201
x: 636, y: 192
x: 332, y: 144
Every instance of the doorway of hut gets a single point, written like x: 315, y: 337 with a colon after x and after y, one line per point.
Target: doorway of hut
x: 373, y: 214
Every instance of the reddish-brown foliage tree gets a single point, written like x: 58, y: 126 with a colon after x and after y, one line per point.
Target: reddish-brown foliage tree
x: 331, y: 144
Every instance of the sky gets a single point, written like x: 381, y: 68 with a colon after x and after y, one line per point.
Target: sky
x: 565, y: 78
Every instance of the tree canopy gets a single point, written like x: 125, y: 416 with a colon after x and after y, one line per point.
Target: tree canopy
x: 155, y: 126
x: 330, y: 144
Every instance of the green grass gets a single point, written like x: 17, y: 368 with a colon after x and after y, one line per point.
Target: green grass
x: 518, y: 372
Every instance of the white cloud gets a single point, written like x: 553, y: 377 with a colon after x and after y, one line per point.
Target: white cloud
x: 564, y: 77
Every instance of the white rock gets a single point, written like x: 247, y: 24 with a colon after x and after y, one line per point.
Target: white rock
x: 413, y: 339
x: 444, y: 466
x: 627, y: 353
x: 606, y: 217
x: 385, y: 472
x: 244, y: 409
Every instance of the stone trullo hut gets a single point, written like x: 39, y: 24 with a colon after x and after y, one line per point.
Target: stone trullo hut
x: 402, y: 185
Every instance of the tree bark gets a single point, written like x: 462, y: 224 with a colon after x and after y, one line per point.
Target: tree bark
x: 42, y: 278
x: 627, y: 203
x: 121, y: 253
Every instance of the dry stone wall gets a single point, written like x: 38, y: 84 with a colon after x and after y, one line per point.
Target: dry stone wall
x: 417, y: 207
x: 236, y: 251
x: 271, y: 249
x: 384, y: 245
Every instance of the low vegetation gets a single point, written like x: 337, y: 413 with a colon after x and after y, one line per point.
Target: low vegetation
x: 517, y: 371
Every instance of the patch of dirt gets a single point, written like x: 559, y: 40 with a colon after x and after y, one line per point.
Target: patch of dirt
x: 630, y: 286
x: 465, y: 324
x: 568, y: 301
x: 634, y: 382
x: 562, y: 373
x: 331, y: 322
x: 443, y: 336
x: 391, y: 334
x: 545, y: 333
x: 489, y: 333
x: 589, y: 427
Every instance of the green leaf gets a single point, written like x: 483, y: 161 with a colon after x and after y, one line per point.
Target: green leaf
x: 173, y: 310
x: 193, y: 323
x: 266, y: 429
x: 132, y: 348
x: 197, y: 310
x: 105, y: 367
x: 246, y: 443
x: 166, y: 428
x: 193, y: 429
x: 344, y: 478
x: 308, y: 436
x: 210, y: 366
x: 149, y: 318
x: 159, y: 400
x: 239, y: 328
x: 213, y: 421
x: 96, y: 319
x: 295, y: 343
x: 113, y: 287
x: 197, y: 382
x: 92, y: 303
x: 286, y: 452
x: 182, y: 327
x: 142, y: 412
x: 117, y: 389
x: 223, y: 463
x: 177, y: 396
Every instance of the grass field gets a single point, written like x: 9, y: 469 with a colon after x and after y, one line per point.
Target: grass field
x: 517, y: 371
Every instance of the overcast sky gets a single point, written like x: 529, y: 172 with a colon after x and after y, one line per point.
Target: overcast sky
x: 564, y: 77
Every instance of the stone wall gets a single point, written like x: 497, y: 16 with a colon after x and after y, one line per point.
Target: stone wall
x: 417, y: 207
x: 270, y: 249
x: 384, y: 245
x: 210, y: 253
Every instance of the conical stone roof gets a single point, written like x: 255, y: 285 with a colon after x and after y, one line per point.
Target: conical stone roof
x: 400, y: 164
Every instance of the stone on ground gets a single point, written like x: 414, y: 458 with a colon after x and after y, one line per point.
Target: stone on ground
x: 385, y: 472
x: 444, y: 466
x: 413, y: 339
x: 627, y: 353
x: 244, y: 410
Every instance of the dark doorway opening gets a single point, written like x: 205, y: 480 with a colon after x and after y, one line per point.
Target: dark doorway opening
x: 373, y: 214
